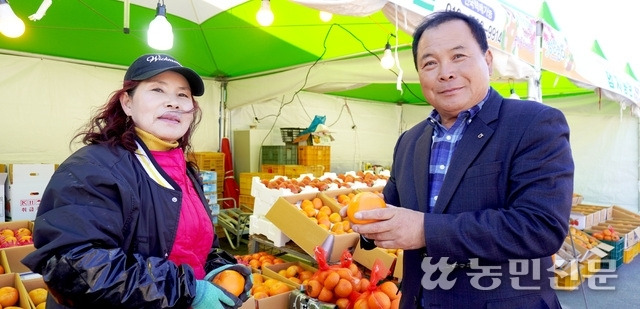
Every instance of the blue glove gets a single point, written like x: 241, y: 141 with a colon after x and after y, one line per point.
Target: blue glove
x: 243, y: 270
x: 210, y: 296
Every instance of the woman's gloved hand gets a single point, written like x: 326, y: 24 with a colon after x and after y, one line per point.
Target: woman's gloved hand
x: 243, y: 270
x: 209, y: 296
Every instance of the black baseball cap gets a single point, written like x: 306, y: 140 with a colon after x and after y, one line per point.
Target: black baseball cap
x: 147, y: 66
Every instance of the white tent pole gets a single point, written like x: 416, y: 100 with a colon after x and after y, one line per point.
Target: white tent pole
x: 222, y: 123
x: 534, y: 87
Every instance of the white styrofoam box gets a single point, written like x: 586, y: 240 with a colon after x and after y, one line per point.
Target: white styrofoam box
x: 215, y: 209
x: 23, y: 200
x: 210, y: 188
x: 209, y: 176
x: 212, y: 198
x: 25, y: 173
x: 265, y: 197
x: 260, y: 225
x: 3, y: 187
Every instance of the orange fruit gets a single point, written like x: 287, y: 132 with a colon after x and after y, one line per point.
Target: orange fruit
x: 342, y: 303
x: 361, y: 303
x: 389, y: 288
x: 38, y: 295
x: 378, y: 300
x: 230, y: 280
x: 317, y: 203
x: 1, y: 270
x: 331, y: 280
x: 313, y: 288
x: 260, y: 295
x: 395, y: 304
x: 257, y: 278
x: 278, y: 287
x: 325, y: 295
x: 364, y: 201
x: 8, y: 296
x: 343, y: 288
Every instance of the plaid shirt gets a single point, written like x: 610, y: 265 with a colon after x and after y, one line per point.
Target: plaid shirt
x: 443, y: 145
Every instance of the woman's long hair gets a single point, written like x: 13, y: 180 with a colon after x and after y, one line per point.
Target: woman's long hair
x: 111, y: 126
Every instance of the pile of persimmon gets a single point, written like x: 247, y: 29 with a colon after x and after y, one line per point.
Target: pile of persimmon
x: 364, y: 201
x: 296, y: 185
x: 265, y: 287
x: 324, y: 216
x: 8, y: 297
x: 335, y: 284
x: 608, y: 234
x: 296, y: 273
x: 259, y: 259
x: 344, y: 199
x: 360, y: 176
x: 384, y: 296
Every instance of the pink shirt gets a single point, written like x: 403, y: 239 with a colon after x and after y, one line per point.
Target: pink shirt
x: 195, y: 229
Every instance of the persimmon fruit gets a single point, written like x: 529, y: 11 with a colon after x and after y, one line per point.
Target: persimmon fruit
x: 8, y: 296
x: 230, y: 280
x: 38, y: 295
x: 364, y: 201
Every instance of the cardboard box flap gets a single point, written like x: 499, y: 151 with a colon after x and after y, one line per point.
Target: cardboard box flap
x: 295, y: 224
x: 30, y: 172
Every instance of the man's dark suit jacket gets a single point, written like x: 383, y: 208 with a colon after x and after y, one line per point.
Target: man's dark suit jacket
x: 505, y: 201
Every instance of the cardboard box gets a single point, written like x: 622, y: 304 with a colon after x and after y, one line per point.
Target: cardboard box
x: 26, y: 186
x: 261, y: 225
x: 304, y: 232
x: 14, y: 281
x: 367, y: 258
x: 397, y: 270
x: 275, y: 302
x: 272, y: 271
x: 14, y: 256
x: 13, y: 227
x: 33, y: 283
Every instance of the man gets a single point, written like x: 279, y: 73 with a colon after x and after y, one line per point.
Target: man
x: 483, y: 185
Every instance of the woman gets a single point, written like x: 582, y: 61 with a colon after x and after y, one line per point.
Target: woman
x: 123, y: 222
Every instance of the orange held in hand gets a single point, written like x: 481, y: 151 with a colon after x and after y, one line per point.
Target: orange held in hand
x: 364, y: 201
x: 230, y: 280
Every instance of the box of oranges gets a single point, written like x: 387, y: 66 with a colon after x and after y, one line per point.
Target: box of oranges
x: 37, y: 291
x: 12, y: 292
x: 292, y: 273
x: 268, y: 292
x: 296, y: 222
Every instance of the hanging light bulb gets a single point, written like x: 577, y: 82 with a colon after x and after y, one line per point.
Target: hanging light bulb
x: 10, y: 24
x: 325, y: 16
x: 265, y: 15
x: 387, y: 62
x: 160, y: 33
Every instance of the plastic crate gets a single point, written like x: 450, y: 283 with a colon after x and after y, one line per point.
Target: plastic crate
x: 290, y: 171
x: 290, y: 134
x: 630, y: 253
x: 315, y: 155
x: 211, y: 161
x: 613, y: 259
x: 246, y: 179
x: 287, y: 154
x: 246, y: 200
